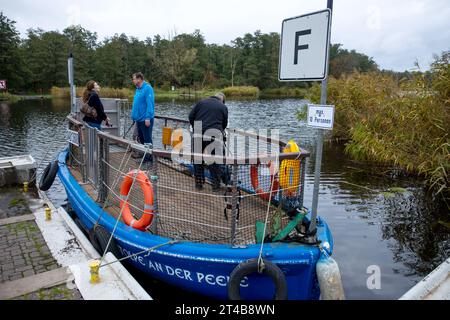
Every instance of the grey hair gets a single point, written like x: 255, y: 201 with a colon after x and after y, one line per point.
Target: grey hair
x: 220, y: 95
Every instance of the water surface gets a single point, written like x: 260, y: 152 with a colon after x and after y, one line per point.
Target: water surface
x: 404, y: 236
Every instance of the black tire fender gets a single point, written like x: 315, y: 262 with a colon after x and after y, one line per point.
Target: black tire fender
x: 99, y: 237
x: 251, y: 266
x: 48, y: 176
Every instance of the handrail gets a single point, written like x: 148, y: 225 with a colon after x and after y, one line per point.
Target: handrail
x: 207, y: 158
x: 232, y: 130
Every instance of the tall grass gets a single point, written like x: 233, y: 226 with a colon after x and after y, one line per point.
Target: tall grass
x: 123, y: 93
x: 406, y: 124
x: 6, y: 96
x: 242, y: 91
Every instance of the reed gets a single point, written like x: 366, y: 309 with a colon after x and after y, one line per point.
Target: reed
x: 242, y: 91
x: 405, y: 124
x: 6, y: 96
x: 123, y: 93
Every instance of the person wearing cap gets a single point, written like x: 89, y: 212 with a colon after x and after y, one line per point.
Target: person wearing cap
x: 212, y: 113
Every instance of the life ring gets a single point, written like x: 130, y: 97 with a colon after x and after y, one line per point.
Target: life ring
x: 289, y: 175
x: 255, y: 181
x: 251, y: 266
x: 147, y: 188
x: 48, y: 176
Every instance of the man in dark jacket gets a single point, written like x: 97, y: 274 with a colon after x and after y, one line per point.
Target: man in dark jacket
x: 213, y: 115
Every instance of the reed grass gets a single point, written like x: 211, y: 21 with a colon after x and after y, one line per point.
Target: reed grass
x: 406, y: 124
x: 241, y: 91
x: 123, y: 93
x: 6, y: 96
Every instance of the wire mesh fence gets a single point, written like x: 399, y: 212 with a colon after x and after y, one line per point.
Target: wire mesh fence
x: 257, y: 177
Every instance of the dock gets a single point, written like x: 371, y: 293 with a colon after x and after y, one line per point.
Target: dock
x: 48, y: 259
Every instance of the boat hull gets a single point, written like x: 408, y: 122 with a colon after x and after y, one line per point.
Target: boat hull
x: 199, y: 267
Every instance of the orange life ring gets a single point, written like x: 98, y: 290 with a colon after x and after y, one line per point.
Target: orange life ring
x: 255, y: 182
x: 147, y: 188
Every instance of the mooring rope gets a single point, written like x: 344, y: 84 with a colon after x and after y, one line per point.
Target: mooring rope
x: 260, y: 259
x: 121, y: 209
x: 115, y: 182
x: 149, y: 250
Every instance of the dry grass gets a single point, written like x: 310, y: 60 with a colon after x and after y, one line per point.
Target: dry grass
x: 243, y: 91
x: 123, y: 93
x: 406, y: 123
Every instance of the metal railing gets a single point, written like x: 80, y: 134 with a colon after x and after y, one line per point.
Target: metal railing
x: 102, y: 160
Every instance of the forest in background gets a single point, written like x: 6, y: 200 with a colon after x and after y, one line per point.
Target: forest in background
x: 38, y: 62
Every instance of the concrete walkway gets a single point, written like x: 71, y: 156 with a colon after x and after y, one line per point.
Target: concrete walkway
x: 42, y: 259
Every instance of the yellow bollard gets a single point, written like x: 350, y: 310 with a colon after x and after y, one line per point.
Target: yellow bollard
x: 94, y: 266
x: 48, y: 214
x: 25, y: 187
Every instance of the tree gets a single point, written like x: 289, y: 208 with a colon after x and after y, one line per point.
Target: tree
x: 46, y: 59
x: 82, y: 44
x: 11, y: 57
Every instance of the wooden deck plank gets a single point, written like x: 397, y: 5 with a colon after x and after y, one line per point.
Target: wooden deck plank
x: 183, y: 211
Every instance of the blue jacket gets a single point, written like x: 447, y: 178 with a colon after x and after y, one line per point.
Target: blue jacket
x: 143, y: 103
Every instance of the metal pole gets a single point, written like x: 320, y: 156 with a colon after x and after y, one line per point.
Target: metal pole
x: 154, y: 180
x: 73, y: 107
x: 319, y: 149
x: 234, y: 203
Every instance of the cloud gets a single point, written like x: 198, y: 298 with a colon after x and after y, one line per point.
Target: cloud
x: 394, y: 33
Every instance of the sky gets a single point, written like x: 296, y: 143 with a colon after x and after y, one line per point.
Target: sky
x: 395, y: 34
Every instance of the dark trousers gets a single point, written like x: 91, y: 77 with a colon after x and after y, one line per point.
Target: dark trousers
x: 145, y: 135
x: 215, y: 169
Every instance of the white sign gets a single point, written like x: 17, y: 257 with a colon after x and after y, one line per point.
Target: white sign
x: 2, y: 84
x: 304, y: 47
x: 321, y: 116
x: 73, y: 137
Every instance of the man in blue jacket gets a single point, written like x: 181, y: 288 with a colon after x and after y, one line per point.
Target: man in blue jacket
x: 143, y: 110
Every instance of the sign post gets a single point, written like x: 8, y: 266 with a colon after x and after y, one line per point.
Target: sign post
x: 73, y: 106
x: 304, y: 56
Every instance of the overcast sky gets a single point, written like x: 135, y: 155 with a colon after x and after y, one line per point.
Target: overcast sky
x: 394, y: 33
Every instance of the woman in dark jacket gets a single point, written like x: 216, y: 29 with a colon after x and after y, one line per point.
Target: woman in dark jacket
x: 90, y: 96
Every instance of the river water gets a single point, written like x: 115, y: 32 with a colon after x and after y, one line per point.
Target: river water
x: 404, y: 237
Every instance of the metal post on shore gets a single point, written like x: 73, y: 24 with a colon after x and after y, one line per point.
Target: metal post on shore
x: 319, y: 149
x: 73, y: 107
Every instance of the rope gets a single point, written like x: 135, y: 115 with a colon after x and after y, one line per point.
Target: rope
x: 164, y: 216
x: 121, y: 209
x: 39, y: 164
x: 260, y: 259
x: 149, y: 250
x: 116, y: 180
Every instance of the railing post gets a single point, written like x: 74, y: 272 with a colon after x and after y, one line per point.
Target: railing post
x: 82, y: 155
x: 302, y: 180
x: 154, y: 181
x: 103, y: 169
x: 234, y: 203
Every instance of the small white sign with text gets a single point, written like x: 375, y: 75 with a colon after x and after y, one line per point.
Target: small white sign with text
x: 320, y: 116
x: 73, y: 137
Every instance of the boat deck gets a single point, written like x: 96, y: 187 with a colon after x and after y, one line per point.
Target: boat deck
x: 183, y: 211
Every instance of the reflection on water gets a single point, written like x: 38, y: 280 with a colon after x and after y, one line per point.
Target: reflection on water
x: 402, y: 235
